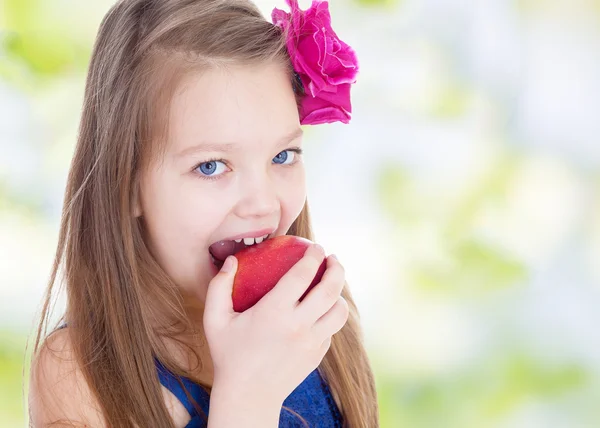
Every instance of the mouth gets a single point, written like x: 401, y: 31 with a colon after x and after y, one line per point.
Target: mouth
x: 220, y: 250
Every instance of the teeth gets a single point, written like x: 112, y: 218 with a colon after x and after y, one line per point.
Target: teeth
x: 238, y: 240
x: 252, y: 241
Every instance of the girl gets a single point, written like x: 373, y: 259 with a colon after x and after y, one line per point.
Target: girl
x: 190, y: 136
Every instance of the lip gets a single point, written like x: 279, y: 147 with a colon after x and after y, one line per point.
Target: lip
x: 214, y: 268
x: 254, y: 234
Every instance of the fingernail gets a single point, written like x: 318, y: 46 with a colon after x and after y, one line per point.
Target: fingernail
x: 334, y: 257
x: 228, y: 265
x: 318, y: 247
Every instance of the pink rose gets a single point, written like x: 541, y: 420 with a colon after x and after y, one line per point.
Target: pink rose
x: 326, y: 65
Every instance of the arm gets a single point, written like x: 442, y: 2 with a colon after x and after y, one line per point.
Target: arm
x: 229, y: 409
x: 58, y: 393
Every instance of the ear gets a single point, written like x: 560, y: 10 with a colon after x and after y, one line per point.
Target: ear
x: 136, y: 205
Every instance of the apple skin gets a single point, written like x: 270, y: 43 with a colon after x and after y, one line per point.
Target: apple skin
x: 261, y: 266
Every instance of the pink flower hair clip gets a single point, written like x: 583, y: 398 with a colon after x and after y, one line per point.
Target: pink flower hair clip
x: 323, y: 64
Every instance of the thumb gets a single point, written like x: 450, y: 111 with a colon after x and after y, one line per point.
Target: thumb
x: 218, y: 296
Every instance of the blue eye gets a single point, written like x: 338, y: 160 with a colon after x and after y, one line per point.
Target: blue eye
x: 208, y: 168
x: 282, y: 157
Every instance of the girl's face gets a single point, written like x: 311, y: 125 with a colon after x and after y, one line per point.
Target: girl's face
x: 229, y: 169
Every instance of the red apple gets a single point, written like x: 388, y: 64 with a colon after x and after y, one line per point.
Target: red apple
x: 261, y: 266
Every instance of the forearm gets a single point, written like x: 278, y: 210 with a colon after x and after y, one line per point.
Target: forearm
x: 228, y: 409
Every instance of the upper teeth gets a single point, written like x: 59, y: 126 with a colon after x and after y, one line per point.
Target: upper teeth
x: 252, y: 241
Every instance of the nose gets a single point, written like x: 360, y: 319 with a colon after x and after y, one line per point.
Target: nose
x: 258, y: 195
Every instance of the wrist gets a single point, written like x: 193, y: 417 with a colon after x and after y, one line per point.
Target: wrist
x: 231, y: 406
x: 233, y: 393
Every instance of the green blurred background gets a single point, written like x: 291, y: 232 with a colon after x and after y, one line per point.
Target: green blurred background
x: 463, y: 198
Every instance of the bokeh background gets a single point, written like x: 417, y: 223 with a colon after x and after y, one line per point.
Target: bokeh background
x: 463, y: 198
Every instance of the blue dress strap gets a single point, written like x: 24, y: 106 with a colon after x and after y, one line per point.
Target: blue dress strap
x: 172, y: 383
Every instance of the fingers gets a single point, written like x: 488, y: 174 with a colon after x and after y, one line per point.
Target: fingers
x: 333, y: 321
x: 324, y: 295
x: 218, y: 296
x: 295, y: 282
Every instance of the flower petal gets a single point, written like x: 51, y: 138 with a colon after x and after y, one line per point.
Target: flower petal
x: 325, y: 64
x: 325, y: 114
x: 280, y: 18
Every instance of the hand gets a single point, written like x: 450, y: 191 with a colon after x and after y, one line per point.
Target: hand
x: 269, y: 349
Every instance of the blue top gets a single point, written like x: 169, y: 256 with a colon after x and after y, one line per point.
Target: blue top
x: 312, y: 400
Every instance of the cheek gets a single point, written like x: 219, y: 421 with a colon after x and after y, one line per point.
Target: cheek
x: 293, y: 197
x: 178, y: 221
x: 185, y: 215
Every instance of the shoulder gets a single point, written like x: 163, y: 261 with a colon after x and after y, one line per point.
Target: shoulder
x: 58, y: 392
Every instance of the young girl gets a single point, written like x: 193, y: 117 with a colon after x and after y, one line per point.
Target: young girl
x: 190, y: 136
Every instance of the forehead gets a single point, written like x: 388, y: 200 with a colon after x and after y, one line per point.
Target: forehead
x: 245, y: 105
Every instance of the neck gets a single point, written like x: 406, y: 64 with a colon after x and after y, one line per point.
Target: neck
x: 190, y: 347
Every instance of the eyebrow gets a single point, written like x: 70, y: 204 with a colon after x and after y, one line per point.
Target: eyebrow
x: 228, y: 147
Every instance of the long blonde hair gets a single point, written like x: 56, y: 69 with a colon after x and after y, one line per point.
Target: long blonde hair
x: 115, y: 289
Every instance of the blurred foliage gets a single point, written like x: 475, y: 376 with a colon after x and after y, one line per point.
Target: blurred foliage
x: 19, y: 203
x: 12, y: 347
x: 35, y: 48
x: 475, y: 268
x: 379, y: 3
x: 452, y: 101
x: 483, y: 393
x: 507, y: 381
x: 469, y: 265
